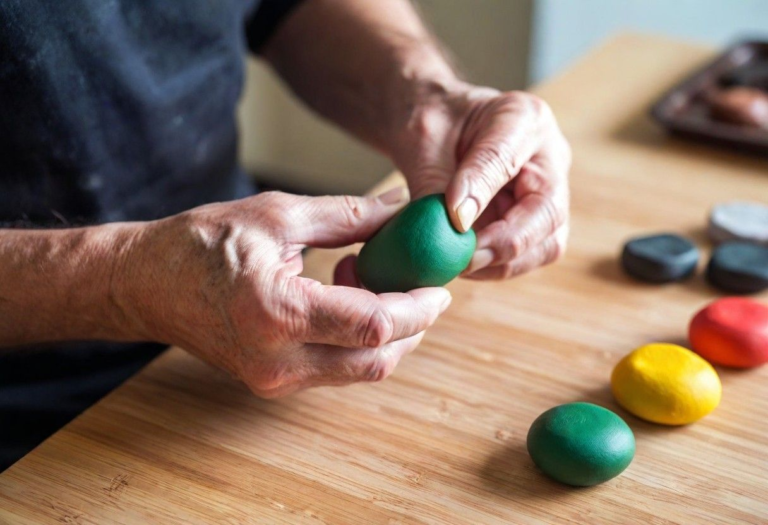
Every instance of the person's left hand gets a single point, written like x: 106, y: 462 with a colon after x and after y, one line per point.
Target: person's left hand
x: 502, y: 162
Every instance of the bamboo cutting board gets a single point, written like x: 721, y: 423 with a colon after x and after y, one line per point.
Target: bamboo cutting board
x: 443, y: 440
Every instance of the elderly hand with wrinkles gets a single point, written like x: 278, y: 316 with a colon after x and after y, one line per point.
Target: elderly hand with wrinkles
x: 223, y: 280
x: 503, y: 164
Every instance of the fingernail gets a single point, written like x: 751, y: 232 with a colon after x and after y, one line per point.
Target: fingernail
x: 467, y: 212
x: 480, y: 260
x: 393, y: 196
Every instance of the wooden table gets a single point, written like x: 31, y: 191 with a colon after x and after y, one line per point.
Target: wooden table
x: 443, y: 440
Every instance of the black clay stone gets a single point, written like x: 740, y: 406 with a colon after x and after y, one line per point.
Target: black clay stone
x: 739, y: 267
x: 660, y: 258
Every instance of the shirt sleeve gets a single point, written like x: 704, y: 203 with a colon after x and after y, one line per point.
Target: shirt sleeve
x: 265, y: 19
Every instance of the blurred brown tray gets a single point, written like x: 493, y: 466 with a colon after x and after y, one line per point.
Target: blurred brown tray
x: 684, y: 112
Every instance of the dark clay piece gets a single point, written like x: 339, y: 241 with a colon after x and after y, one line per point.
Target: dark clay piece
x: 660, y: 258
x: 739, y: 267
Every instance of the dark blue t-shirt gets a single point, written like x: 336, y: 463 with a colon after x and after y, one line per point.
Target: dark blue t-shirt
x: 111, y: 110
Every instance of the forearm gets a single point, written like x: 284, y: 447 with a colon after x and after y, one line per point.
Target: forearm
x: 56, y: 285
x: 365, y: 64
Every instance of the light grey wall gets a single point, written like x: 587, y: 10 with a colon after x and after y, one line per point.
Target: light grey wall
x: 488, y: 39
x: 566, y: 29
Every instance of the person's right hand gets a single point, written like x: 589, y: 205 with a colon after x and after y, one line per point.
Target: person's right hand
x: 222, y: 281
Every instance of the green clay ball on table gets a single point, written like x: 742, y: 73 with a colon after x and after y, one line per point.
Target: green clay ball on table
x: 581, y: 444
x: 418, y: 247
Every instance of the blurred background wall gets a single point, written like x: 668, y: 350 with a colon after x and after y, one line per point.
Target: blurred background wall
x: 507, y: 44
x: 566, y: 29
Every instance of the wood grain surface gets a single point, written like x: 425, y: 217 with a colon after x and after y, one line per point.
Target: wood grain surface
x: 443, y: 440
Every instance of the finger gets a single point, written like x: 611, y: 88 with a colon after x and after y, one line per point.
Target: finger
x: 546, y: 253
x: 345, y: 273
x: 330, y: 222
x: 508, y: 133
x: 352, y: 317
x: 529, y: 222
x: 343, y: 366
x: 326, y: 365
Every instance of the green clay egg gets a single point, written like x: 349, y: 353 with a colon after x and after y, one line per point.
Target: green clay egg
x: 418, y: 247
x: 581, y: 444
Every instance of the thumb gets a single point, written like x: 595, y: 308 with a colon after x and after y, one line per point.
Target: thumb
x: 331, y: 222
x: 493, y: 158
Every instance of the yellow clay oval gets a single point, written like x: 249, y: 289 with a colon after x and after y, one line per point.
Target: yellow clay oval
x: 666, y: 383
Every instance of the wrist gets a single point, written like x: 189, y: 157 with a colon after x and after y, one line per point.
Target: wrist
x: 159, y: 280
x: 113, y: 247
x: 138, y: 273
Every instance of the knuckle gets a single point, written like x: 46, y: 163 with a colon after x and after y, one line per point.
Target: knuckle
x: 551, y: 211
x: 508, y: 241
x: 529, y: 107
x: 516, y: 245
x: 277, y: 209
x: 537, y: 106
x: 509, y: 270
x: 269, y: 197
x: 556, y: 214
x: 277, y: 379
x: 352, y: 210
x: 378, y: 370
x: 427, y: 123
x: 511, y: 240
x: 379, y: 329
x: 270, y: 379
x: 534, y: 180
x: 555, y: 252
x: 515, y: 101
x: 272, y: 201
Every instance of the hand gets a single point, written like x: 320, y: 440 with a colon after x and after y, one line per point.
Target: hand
x: 503, y: 164
x: 222, y: 281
